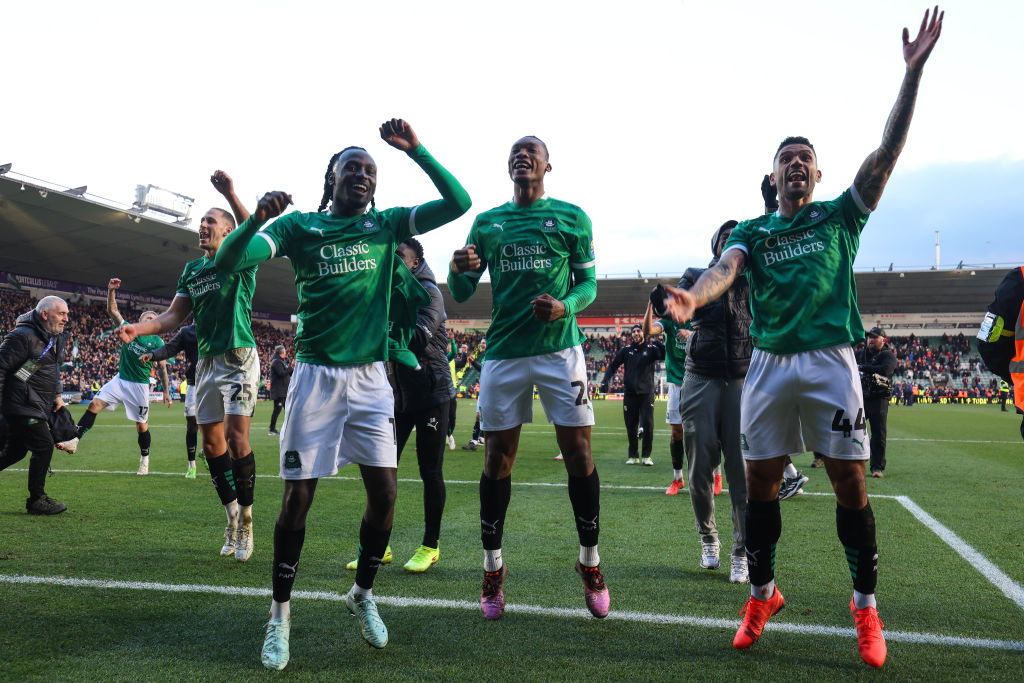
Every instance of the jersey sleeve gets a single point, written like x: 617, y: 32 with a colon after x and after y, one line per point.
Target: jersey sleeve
x: 854, y: 211
x: 463, y: 285
x: 583, y: 264
x: 182, y: 289
x: 453, y: 203
x: 276, y: 235
x: 740, y: 238
x: 246, y: 246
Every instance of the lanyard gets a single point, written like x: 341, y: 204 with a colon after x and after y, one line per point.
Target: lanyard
x: 46, y: 349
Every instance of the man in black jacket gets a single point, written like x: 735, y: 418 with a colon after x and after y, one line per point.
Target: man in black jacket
x: 184, y: 341
x: 718, y: 355
x: 280, y: 376
x: 638, y: 358
x: 30, y: 360
x: 876, y: 364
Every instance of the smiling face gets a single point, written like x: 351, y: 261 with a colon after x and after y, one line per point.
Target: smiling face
x: 795, y: 172
x: 528, y: 160
x: 637, y: 336
x: 354, y: 179
x: 213, y: 228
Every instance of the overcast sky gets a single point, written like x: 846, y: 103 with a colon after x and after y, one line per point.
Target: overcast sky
x: 661, y: 117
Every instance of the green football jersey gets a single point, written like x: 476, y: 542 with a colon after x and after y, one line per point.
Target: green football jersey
x: 532, y: 250
x: 343, y: 269
x: 221, y: 304
x: 803, y: 295
x: 129, y: 367
x: 407, y: 295
x: 675, y: 350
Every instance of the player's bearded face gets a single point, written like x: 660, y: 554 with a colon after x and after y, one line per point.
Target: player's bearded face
x: 528, y: 160
x: 796, y: 171
x: 355, y: 180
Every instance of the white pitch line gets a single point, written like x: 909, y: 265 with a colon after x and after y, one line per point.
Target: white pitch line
x: 996, y: 576
x: 535, y: 610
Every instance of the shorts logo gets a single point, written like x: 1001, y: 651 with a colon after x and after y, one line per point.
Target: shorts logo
x: 743, y: 442
x: 369, y: 226
x: 859, y: 443
x: 291, y: 460
x: 432, y: 423
x: 549, y: 224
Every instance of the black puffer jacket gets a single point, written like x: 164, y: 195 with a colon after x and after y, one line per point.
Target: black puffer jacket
x: 720, y: 344
x: 29, y: 341
x: 431, y: 384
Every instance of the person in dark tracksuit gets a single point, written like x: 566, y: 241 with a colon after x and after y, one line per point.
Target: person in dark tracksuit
x: 876, y: 364
x: 638, y: 358
x: 30, y: 389
x: 280, y: 376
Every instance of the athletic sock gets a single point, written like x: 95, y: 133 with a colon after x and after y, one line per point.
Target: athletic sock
x: 492, y: 560
x: 764, y: 526
x: 145, y: 440
x: 790, y: 470
x: 287, y: 548
x: 476, y: 430
x: 373, y: 543
x: 232, y: 511
x: 675, y: 448
x: 585, y: 496
x: 495, y: 495
x: 677, y: 474
x: 86, y: 422
x: 191, y: 441
x: 589, y: 556
x: 223, y: 478
x: 244, y: 472
x: 857, y: 534
x: 280, y: 609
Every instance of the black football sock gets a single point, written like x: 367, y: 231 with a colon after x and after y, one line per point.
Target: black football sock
x: 764, y: 526
x: 223, y: 477
x: 585, y: 496
x: 476, y: 430
x: 857, y: 534
x: 191, y: 441
x: 287, y: 547
x: 85, y: 423
x: 244, y: 471
x: 495, y: 495
x: 145, y: 439
x: 373, y: 543
x: 675, y: 448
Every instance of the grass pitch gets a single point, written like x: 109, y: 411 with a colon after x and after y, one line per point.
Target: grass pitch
x: 128, y: 584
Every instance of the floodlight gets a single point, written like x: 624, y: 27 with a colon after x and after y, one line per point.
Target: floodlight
x: 5, y: 168
x: 153, y: 198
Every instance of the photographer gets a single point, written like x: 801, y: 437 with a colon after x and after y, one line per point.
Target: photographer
x: 30, y: 387
x: 876, y: 364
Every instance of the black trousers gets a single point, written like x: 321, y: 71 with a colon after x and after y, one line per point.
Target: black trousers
x: 29, y: 434
x: 431, y: 433
x: 278, y: 407
x: 876, y: 410
x: 638, y: 411
x: 453, y: 411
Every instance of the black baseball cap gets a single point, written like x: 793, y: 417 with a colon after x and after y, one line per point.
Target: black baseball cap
x: 876, y: 332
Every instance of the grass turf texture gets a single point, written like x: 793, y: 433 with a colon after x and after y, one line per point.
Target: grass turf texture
x: 961, y: 464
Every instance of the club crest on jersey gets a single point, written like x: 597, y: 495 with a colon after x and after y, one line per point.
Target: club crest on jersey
x: 291, y: 460
x: 549, y: 224
x: 369, y: 225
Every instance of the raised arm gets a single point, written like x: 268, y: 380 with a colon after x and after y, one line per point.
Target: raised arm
x: 454, y: 200
x: 713, y: 283
x: 222, y: 183
x: 652, y: 327
x: 112, y: 287
x: 174, y: 315
x: 874, y: 172
x: 239, y: 250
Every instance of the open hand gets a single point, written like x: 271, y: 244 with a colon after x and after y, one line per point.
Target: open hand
x: 680, y: 304
x: 916, y: 53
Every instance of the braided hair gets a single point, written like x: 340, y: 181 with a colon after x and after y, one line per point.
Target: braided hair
x: 328, y: 186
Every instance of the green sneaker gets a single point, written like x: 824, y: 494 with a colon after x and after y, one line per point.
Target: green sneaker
x: 275, y: 645
x: 191, y: 473
x: 365, y: 609
x: 351, y: 566
x: 422, y: 559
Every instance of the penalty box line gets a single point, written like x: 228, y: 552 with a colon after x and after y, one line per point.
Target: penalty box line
x: 912, y: 637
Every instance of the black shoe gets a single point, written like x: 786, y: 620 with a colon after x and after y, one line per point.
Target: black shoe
x: 44, y: 505
x: 818, y: 462
x: 273, y: 432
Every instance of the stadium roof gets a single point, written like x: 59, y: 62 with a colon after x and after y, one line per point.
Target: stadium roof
x: 49, y: 232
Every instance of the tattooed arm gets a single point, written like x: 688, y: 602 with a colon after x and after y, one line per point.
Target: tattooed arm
x: 712, y: 284
x: 875, y: 171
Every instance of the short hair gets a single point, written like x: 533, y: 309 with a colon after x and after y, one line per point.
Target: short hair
x: 794, y: 140
x: 542, y: 144
x: 415, y: 245
x: 227, y: 215
x: 48, y: 303
x: 145, y: 313
x: 637, y: 327
x: 278, y: 350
